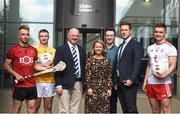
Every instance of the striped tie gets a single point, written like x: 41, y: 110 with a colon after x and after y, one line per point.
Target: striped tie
x: 75, y: 58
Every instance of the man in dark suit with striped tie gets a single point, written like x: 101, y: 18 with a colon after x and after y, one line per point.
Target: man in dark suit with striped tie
x: 70, y: 82
x: 126, y: 69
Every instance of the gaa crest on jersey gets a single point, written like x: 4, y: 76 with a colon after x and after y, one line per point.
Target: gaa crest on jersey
x: 161, y: 50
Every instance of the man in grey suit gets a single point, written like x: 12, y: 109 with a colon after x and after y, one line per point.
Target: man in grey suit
x: 69, y: 83
x: 126, y: 69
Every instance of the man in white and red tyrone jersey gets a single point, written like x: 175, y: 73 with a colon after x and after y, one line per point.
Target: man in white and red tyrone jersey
x: 162, y: 62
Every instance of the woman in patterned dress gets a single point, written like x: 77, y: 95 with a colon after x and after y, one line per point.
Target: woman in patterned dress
x: 98, y: 77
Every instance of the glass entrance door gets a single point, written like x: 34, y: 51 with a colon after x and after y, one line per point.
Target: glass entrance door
x: 86, y: 39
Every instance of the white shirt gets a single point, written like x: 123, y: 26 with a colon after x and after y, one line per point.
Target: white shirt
x: 126, y: 42
x: 158, y: 57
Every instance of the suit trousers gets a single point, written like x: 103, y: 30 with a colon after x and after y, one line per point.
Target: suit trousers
x: 128, y: 97
x: 113, y: 101
x: 70, y: 100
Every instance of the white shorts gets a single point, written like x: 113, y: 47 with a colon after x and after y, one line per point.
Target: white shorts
x: 45, y: 89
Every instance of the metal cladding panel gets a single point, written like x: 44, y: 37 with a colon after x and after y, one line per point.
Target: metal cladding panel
x: 92, y: 14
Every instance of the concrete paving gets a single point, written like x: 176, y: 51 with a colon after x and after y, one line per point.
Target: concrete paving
x: 142, y: 103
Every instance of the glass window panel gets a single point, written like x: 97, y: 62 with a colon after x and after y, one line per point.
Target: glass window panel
x: 121, y: 8
x: 36, y: 10
x: 1, y: 44
x: 12, y: 11
x: 31, y: 10
x: 1, y: 9
x: 172, y: 12
x: 1, y: 33
x: 1, y: 41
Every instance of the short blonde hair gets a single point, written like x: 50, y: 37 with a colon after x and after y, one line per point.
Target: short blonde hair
x: 93, y: 50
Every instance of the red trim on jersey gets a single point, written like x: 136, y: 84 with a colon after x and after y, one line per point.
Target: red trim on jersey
x: 168, y: 43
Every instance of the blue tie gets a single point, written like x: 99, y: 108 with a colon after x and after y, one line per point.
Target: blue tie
x: 75, y: 58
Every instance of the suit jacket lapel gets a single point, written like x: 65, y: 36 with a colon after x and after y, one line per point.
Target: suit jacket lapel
x: 124, y: 51
x: 69, y: 51
x: 80, y: 52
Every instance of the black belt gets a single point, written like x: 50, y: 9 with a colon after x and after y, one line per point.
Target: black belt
x: 78, y: 79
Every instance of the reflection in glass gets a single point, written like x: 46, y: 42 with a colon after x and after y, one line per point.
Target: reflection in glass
x: 1, y: 9
x: 36, y: 10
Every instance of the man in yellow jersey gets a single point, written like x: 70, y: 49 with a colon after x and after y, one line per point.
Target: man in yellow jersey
x: 45, y: 82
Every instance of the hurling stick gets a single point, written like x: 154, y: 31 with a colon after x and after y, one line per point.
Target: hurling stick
x: 59, y: 67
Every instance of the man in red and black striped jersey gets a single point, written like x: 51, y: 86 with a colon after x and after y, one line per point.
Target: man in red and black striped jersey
x: 20, y: 63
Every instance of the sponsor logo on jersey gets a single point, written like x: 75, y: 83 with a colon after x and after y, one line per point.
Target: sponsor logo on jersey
x: 26, y: 60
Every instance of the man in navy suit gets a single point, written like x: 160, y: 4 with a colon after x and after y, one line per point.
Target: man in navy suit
x: 69, y: 83
x: 126, y: 69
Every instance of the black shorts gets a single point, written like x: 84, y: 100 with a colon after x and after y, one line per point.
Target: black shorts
x: 24, y: 93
